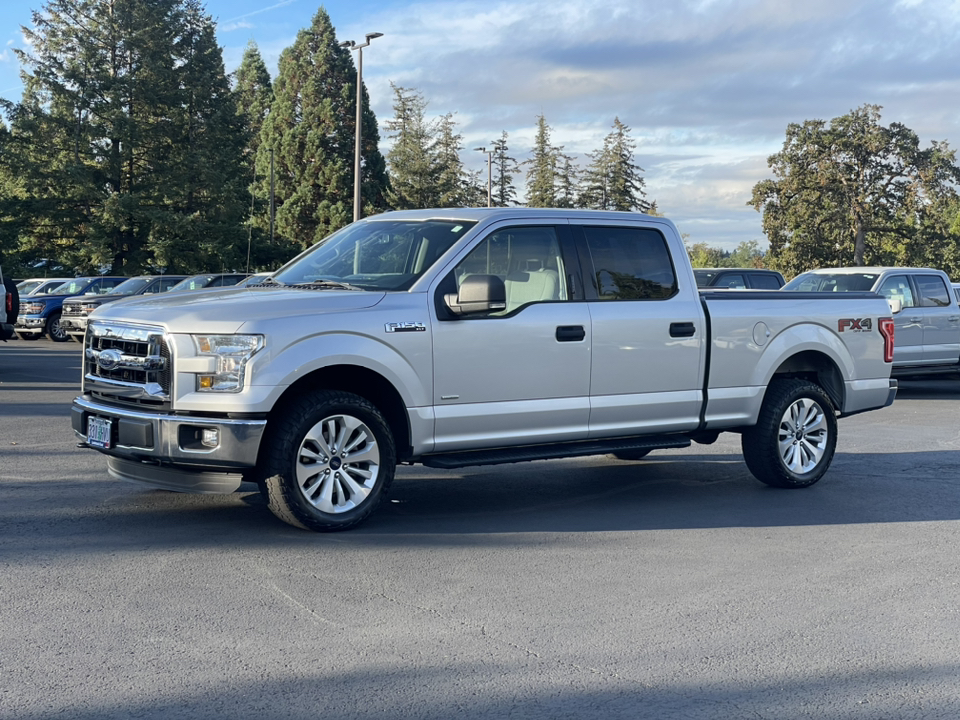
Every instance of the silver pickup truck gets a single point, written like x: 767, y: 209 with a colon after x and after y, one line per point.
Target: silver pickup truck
x: 468, y: 337
x: 926, y: 313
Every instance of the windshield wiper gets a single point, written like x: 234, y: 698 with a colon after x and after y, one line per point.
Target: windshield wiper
x: 331, y: 284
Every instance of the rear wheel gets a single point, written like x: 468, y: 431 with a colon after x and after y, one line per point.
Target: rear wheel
x: 329, y: 460
x: 794, y: 440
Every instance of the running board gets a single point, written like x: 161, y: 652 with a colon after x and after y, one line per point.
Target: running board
x: 500, y: 456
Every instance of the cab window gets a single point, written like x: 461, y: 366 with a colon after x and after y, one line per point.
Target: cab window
x: 630, y: 263
x: 897, y: 287
x: 526, y: 259
x: 932, y: 290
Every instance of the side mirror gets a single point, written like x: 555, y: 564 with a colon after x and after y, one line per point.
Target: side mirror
x: 896, y: 305
x: 478, y: 294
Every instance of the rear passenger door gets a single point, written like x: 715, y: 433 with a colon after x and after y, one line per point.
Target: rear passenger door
x: 521, y: 375
x: 941, y: 320
x: 646, y: 371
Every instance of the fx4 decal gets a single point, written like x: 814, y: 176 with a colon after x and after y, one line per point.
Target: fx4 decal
x: 855, y: 325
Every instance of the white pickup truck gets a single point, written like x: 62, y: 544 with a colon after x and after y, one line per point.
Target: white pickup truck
x: 468, y: 337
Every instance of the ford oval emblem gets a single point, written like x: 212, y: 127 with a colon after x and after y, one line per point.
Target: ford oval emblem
x: 109, y: 359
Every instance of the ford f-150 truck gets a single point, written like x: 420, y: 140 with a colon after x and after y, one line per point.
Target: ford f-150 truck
x: 926, y: 313
x: 468, y: 337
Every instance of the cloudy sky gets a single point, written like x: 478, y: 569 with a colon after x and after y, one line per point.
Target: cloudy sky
x: 707, y: 86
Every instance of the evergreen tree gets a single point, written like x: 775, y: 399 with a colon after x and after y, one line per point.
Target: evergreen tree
x: 612, y: 181
x: 310, y: 131
x: 455, y: 187
x: 253, y: 94
x: 567, y: 182
x: 414, y: 181
x: 119, y: 160
x: 504, y: 168
x: 542, y: 176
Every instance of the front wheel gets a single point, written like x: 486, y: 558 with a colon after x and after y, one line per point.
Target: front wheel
x: 55, y: 329
x: 794, y: 440
x: 329, y: 460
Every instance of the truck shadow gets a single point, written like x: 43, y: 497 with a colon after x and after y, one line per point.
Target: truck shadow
x: 667, y: 491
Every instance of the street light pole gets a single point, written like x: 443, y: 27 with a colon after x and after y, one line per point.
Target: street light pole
x: 359, y: 126
x: 489, y: 174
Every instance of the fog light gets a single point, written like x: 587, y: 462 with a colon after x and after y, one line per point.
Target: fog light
x: 210, y: 437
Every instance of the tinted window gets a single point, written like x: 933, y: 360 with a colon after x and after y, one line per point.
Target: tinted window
x: 764, y: 281
x: 630, y: 263
x: 933, y: 291
x: 897, y: 287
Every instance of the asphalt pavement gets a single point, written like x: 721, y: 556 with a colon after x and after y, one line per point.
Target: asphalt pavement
x: 673, y: 587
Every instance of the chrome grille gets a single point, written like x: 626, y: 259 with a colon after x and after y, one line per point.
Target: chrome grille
x: 72, y: 310
x: 128, y: 363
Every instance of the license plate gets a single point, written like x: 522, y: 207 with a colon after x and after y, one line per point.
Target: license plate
x: 98, y: 432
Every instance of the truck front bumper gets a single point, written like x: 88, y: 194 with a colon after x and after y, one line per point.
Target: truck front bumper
x: 74, y: 325
x: 176, y: 452
x: 30, y: 324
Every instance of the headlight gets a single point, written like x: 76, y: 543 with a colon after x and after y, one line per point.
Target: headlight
x: 88, y: 308
x: 232, y: 353
x: 33, y: 308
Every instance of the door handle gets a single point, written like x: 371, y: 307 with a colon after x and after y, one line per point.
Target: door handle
x: 916, y: 319
x: 682, y: 329
x: 954, y: 318
x: 570, y: 333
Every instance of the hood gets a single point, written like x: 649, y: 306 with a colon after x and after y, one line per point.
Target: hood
x: 226, y: 310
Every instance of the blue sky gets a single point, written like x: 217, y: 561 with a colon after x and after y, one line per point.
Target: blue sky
x: 707, y: 86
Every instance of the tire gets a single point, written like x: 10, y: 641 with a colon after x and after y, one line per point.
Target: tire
x: 55, y: 331
x: 29, y: 336
x: 794, y: 440
x: 307, y: 478
x: 631, y: 454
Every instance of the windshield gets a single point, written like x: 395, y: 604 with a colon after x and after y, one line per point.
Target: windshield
x: 28, y: 286
x: 832, y: 282
x: 73, y: 287
x: 375, y: 255
x: 47, y: 287
x: 129, y: 287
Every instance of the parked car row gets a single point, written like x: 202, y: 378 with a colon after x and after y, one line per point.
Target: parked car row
x: 59, y: 307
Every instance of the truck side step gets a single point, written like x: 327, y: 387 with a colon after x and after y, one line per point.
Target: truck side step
x: 500, y: 456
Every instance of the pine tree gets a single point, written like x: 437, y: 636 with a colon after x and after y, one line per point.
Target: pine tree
x: 119, y: 160
x: 310, y: 131
x: 414, y: 181
x: 612, y: 181
x: 253, y: 95
x: 542, y: 175
x: 456, y: 187
x: 504, y: 168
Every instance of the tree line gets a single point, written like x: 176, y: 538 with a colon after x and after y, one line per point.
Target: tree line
x: 132, y: 150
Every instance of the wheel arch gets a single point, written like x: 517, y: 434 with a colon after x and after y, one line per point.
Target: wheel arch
x: 816, y: 367
x: 361, y: 381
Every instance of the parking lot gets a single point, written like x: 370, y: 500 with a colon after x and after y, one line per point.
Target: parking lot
x: 673, y: 587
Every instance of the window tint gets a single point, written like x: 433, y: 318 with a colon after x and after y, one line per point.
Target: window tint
x: 764, y: 281
x: 933, y: 291
x: 528, y: 261
x: 897, y: 287
x: 832, y: 282
x: 630, y: 263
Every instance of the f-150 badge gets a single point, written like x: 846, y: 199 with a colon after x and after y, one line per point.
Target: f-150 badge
x: 405, y: 327
x: 855, y: 325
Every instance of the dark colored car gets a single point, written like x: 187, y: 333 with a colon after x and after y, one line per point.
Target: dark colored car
x: 40, y: 315
x: 738, y: 278
x: 77, y: 309
x: 209, y: 280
